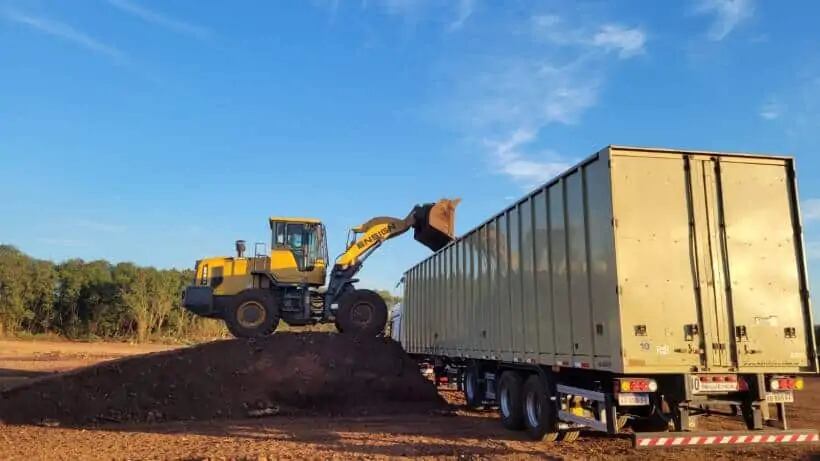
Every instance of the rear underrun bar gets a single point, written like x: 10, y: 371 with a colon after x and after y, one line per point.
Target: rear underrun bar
x: 722, y: 438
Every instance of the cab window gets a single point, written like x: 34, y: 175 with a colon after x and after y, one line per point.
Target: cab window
x: 279, y: 234
x: 295, y: 234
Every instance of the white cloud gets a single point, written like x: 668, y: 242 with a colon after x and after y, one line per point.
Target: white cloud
x: 626, y: 41
x: 771, y: 110
x: 728, y: 14
x: 160, y: 19
x: 510, y: 161
x: 811, y: 209
x: 553, y: 77
x: 65, y: 32
x: 529, y: 93
x: 464, y: 10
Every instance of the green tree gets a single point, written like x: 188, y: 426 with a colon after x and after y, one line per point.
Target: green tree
x: 389, y: 298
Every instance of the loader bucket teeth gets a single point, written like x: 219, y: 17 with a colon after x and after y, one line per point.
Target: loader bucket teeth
x: 435, y: 223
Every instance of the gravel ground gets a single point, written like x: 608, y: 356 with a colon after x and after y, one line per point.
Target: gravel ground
x: 466, y: 434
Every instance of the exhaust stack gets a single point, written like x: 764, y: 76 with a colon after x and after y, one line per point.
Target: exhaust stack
x: 240, y: 248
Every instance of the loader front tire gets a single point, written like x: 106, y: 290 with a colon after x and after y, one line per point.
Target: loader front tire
x: 252, y: 314
x: 361, y: 313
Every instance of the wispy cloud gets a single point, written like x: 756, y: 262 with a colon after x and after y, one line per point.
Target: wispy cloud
x: 464, y: 10
x: 160, y: 19
x: 65, y: 32
x: 509, y: 160
x: 728, y: 15
x: 507, y: 101
x: 528, y: 94
x: 811, y: 209
x: 625, y: 41
x: 98, y: 226
x: 771, y: 110
x: 63, y: 242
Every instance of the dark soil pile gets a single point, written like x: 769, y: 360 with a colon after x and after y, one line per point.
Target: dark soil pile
x: 310, y: 373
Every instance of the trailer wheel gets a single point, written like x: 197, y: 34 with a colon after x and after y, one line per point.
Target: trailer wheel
x: 510, y: 403
x: 540, y: 418
x: 362, y: 312
x: 252, y: 314
x: 473, y: 391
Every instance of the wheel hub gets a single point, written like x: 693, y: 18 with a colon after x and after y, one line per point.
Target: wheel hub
x: 251, y: 314
x: 361, y: 314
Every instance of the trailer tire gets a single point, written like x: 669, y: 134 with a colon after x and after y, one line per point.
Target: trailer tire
x: 540, y: 416
x: 362, y: 312
x: 252, y: 314
x: 510, y: 403
x: 473, y: 390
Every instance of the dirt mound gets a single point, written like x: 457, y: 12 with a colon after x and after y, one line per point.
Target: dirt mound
x: 282, y: 374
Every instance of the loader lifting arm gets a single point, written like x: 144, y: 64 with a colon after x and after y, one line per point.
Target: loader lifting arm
x: 433, y: 226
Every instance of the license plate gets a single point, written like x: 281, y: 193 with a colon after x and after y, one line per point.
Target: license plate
x: 780, y: 397
x: 699, y: 386
x: 632, y: 400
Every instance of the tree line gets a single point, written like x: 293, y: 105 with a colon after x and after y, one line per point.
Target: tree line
x: 77, y: 298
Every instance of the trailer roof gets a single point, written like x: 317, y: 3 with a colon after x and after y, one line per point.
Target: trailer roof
x: 592, y: 158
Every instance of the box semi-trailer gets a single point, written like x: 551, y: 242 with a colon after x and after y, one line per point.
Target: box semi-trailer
x: 641, y: 287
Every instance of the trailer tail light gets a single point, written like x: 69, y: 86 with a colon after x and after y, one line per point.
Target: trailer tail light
x: 781, y: 383
x: 635, y: 385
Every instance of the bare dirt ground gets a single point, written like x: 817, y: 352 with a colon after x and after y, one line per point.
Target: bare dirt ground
x: 467, y: 434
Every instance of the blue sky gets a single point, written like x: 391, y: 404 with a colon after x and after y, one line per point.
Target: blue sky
x: 161, y: 131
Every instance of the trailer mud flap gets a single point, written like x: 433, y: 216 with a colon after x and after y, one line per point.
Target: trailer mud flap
x: 722, y: 438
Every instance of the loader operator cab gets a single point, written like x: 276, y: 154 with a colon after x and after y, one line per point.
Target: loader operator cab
x: 298, y: 249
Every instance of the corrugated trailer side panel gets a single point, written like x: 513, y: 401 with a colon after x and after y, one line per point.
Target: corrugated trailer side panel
x: 524, y: 285
x: 543, y: 278
x: 562, y: 319
x: 603, y: 279
x: 530, y: 308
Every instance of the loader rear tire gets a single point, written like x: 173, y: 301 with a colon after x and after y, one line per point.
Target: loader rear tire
x: 361, y: 313
x: 252, y: 314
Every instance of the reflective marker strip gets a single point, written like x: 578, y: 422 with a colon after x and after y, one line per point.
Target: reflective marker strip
x: 725, y: 439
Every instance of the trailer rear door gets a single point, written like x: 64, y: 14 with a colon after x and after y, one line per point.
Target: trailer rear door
x: 762, y: 261
x: 710, y: 262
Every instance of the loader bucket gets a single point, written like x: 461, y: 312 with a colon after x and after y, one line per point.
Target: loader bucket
x: 435, y: 224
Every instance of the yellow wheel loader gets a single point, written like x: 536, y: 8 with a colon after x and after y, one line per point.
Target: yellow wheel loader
x: 253, y: 293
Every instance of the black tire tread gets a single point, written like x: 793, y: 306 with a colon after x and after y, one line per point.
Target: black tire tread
x: 344, y: 323
x: 264, y: 297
